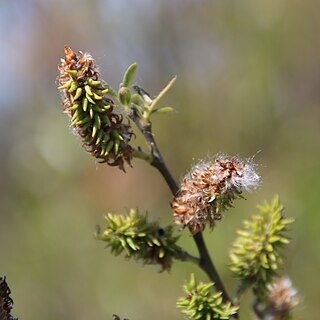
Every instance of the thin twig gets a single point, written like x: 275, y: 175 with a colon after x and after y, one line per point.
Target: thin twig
x: 185, y: 256
x: 205, y: 262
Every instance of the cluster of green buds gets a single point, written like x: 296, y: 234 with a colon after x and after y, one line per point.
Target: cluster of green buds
x: 203, y: 304
x: 94, y: 117
x: 255, y: 256
x: 140, y: 239
x: 5, y: 301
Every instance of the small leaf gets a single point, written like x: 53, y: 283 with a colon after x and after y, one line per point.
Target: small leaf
x: 129, y: 74
x: 162, y: 110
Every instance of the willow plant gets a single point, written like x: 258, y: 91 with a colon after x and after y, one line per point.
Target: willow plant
x: 102, y: 119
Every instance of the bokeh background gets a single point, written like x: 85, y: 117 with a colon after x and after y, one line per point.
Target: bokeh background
x: 248, y: 84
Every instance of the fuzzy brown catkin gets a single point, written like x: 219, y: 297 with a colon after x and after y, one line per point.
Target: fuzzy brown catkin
x: 209, y: 189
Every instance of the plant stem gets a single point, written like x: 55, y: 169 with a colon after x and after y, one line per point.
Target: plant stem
x: 205, y: 262
x: 185, y: 256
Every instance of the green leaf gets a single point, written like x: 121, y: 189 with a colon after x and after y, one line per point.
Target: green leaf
x: 129, y: 74
x: 162, y: 110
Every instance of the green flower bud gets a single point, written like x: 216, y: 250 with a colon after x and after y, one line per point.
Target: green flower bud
x: 201, y: 302
x: 124, y: 96
x: 255, y: 255
x: 140, y: 239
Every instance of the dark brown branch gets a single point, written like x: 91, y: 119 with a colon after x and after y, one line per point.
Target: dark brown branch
x: 157, y: 160
x: 205, y: 262
x: 207, y: 265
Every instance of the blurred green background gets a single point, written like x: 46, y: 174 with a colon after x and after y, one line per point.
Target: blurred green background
x: 248, y: 81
